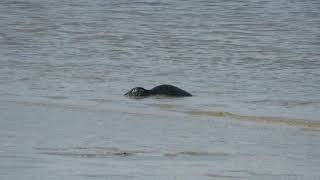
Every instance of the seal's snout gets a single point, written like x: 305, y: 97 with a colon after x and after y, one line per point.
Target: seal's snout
x: 138, y: 91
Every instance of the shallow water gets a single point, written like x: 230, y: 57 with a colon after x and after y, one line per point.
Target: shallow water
x: 252, y: 66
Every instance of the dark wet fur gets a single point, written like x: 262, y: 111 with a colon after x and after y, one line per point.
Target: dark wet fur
x: 167, y: 90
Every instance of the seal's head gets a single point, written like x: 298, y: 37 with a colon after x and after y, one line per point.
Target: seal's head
x: 138, y: 92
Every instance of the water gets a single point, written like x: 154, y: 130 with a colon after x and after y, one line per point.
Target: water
x: 252, y: 66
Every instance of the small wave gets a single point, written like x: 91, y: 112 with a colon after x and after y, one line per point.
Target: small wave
x: 222, y: 176
x: 102, y: 152
x: 311, y: 130
x: 107, y: 176
x: 271, y: 175
x: 210, y: 113
x: 197, y: 153
x: 56, y: 97
x: 87, y: 155
x: 31, y: 29
x: 23, y: 5
x: 300, y: 103
x: 82, y: 107
x: 165, y: 106
x: 52, y: 105
x: 101, y: 100
x: 286, y: 103
x: 87, y: 152
x: 244, y: 174
x: 89, y: 36
x: 259, y: 119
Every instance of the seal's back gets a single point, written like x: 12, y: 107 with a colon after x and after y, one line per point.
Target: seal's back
x: 169, y: 90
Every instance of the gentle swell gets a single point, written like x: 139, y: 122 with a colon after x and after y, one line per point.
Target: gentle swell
x: 258, y: 119
x: 176, y: 108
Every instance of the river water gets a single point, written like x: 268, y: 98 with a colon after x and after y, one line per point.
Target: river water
x: 253, y: 68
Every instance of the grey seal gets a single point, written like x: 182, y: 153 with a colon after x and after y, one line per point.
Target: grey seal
x: 165, y: 89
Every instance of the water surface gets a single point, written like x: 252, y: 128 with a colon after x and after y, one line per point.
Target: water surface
x: 252, y: 66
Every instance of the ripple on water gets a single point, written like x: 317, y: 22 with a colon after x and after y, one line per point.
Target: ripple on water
x: 87, y: 152
x: 107, y: 176
x: 196, y: 153
x: 286, y: 103
x: 56, y: 97
x: 102, y: 152
x: 225, y: 176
